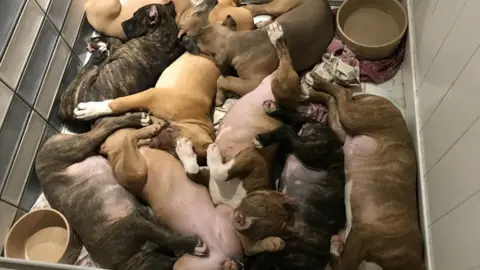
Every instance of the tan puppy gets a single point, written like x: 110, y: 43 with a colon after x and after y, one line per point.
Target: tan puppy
x: 107, y: 16
x: 380, y: 191
x: 183, y: 96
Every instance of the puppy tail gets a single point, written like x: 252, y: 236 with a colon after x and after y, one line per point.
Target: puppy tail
x: 353, y: 252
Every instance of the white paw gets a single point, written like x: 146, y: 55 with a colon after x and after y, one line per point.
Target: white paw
x: 102, y: 46
x: 145, y: 120
x: 187, y: 156
x: 90, y: 110
x: 274, y: 31
x: 201, y: 249
x: 257, y: 143
x: 218, y: 170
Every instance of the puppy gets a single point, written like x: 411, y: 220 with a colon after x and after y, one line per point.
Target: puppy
x: 117, y: 70
x: 380, y: 192
x: 314, y: 176
x: 110, y: 221
x: 243, y: 180
x: 309, y: 29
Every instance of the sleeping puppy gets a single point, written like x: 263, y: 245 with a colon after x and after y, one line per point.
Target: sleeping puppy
x: 314, y: 176
x: 112, y: 224
x: 239, y: 173
x: 308, y: 27
x: 117, y: 70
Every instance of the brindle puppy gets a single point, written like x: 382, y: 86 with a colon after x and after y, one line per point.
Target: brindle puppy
x: 109, y: 220
x: 128, y: 68
x: 314, y: 176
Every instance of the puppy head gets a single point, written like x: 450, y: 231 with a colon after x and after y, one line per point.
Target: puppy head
x: 148, y: 18
x: 265, y: 213
x: 210, y: 40
x: 196, y: 18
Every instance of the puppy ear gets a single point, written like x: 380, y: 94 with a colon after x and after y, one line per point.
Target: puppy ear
x: 153, y: 12
x: 230, y: 23
x: 288, y: 202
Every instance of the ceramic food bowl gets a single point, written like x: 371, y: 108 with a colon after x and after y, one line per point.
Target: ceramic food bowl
x: 43, y: 235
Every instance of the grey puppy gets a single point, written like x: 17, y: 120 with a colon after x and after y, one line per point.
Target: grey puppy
x: 314, y: 176
x: 112, y: 224
x: 117, y: 69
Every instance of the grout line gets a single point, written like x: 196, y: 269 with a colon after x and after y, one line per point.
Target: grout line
x: 453, y: 144
x: 450, y: 88
x: 443, y: 42
x: 457, y: 206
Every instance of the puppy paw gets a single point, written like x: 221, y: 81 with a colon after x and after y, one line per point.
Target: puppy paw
x: 263, y: 24
x: 273, y: 244
x: 218, y: 170
x: 256, y: 142
x: 274, y: 31
x: 201, y: 248
x: 230, y: 264
x: 270, y: 106
x: 220, y: 97
x: 90, y: 110
x: 336, y: 247
x: 145, y: 119
x: 187, y: 156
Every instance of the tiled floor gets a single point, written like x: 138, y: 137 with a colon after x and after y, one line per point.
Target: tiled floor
x: 37, y: 38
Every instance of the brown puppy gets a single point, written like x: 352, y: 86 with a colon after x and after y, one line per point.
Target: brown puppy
x: 308, y: 27
x: 243, y: 181
x: 107, y: 16
x: 380, y: 191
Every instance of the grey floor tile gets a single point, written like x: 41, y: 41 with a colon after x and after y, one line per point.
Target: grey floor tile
x: 7, y: 214
x: 20, y: 44
x: 44, y: 4
x: 6, y: 95
x: 38, y: 62
x: 52, y: 79
x: 11, y: 134
x: 19, y: 172
x: 33, y: 188
x: 10, y: 12
x: 57, y: 12
x: 72, y: 70
x: 73, y: 21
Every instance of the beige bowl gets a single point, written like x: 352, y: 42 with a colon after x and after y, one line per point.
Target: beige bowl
x: 43, y: 235
x: 372, y: 29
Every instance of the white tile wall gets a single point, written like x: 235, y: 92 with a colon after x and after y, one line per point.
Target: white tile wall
x: 448, y: 95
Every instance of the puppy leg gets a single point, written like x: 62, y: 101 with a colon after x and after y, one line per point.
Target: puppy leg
x: 268, y: 244
x: 93, y: 109
x: 248, y: 164
x: 291, y: 118
x: 382, y: 114
x: 353, y: 252
x: 235, y: 85
x: 285, y: 81
x: 67, y: 149
x: 152, y: 230
x: 275, y: 8
x: 332, y: 117
x: 131, y: 168
x: 187, y: 155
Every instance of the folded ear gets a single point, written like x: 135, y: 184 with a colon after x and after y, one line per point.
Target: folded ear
x: 153, y: 12
x: 288, y: 202
x: 230, y: 23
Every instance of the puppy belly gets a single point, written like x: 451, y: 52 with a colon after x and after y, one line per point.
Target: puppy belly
x: 227, y: 192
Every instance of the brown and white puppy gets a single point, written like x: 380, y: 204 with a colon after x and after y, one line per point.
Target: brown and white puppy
x: 314, y: 176
x: 183, y: 96
x: 112, y: 224
x: 107, y: 16
x: 117, y: 69
x: 244, y: 178
x: 380, y: 192
x: 308, y: 27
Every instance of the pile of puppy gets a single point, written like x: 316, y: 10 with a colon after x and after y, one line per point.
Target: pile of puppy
x: 151, y: 186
